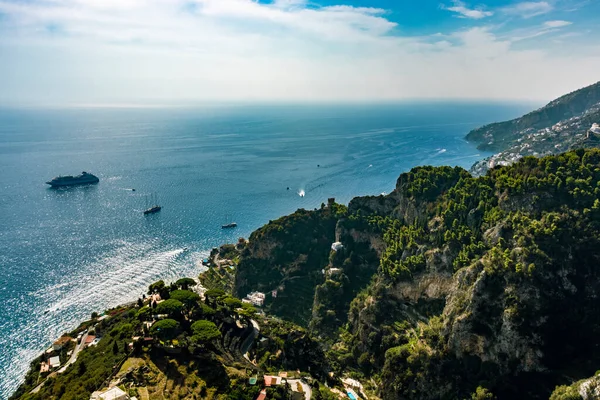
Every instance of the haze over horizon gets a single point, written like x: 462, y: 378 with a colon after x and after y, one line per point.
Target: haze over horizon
x: 107, y: 52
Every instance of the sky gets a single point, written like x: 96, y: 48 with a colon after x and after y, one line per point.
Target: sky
x: 119, y: 52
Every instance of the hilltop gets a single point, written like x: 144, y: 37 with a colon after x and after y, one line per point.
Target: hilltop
x: 498, y: 136
x: 563, y: 124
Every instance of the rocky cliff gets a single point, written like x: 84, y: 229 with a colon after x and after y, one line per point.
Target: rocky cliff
x: 453, y: 286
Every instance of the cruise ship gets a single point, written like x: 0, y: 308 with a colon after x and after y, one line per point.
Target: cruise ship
x: 83, y: 179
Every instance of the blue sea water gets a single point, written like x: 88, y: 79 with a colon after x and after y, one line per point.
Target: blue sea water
x: 66, y: 253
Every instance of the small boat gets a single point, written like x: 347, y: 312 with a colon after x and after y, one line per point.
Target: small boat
x: 228, y: 225
x: 153, y: 209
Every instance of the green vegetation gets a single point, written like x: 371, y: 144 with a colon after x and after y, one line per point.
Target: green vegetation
x: 204, y: 332
x: 498, y: 136
x: 165, y: 329
x: 505, y: 260
x: 451, y: 287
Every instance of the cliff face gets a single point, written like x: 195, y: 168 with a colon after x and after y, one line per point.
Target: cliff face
x: 452, y: 285
x: 287, y: 256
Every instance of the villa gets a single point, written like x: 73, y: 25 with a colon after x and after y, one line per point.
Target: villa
x: 271, y: 380
x: 255, y: 298
x: 113, y: 393
x: 54, y: 362
x: 60, y: 343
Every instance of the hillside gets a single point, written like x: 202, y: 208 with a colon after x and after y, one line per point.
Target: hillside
x: 501, y: 135
x: 176, y: 344
x: 481, y: 285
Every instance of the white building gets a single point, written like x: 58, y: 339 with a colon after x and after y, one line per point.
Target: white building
x: 595, y: 129
x: 54, y: 362
x: 337, y: 246
x: 113, y: 393
x: 255, y: 298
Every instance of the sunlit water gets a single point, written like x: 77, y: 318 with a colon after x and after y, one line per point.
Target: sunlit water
x: 66, y: 253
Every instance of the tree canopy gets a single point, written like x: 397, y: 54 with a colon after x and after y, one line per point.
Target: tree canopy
x: 185, y: 283
x: 204, y: 331
x: 187, y: 297
x: 165, y: 329
x: 171, y: 307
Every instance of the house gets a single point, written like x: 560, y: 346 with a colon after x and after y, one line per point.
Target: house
x: 262, y: 395
x: 113, y: 393
x: 272, y: 380
x: 255, y: 298
x: 44, y: 367
x: 595, y: 129
x: 54, y: 362
x: 89, y: 339
x: 60, y: 343
x: 337, y: 246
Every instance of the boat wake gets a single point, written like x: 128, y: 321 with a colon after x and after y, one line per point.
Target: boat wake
x: 120, y: 276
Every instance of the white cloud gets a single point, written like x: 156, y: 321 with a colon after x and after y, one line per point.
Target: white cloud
x: 528, y: 9
x: 557, y: 24
x: 465, y: 12
x: 109, y: 51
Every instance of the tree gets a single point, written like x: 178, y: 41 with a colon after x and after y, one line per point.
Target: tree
x: 156, y: 287
x: 482, y: 394
x: 185, y: 283
x: 140, y: 303
x: 165, y: 329
x: 160, y: 288
x: 144, y: 313
x: 115, y: 348
x: 204, y: 332
x: 213, y: 294
x: 170, y: 307
x: 188, y: 298
x: 232, y: 303
x: 81, y: 368
x: 94, y: 315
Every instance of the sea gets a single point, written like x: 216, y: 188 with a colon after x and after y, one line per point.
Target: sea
x: 65, y: 253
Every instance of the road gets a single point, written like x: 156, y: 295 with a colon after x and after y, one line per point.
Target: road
x: 72, y: 359
x: 76, y: 350
x: 305, y: 388
x: 250, y: 339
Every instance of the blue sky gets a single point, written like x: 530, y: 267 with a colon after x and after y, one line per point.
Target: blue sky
x: 96, y: 52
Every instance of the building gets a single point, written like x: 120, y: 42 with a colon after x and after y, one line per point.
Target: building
x: 255, y: 298
x: 337, y: 246
x: 60, y: 343
x: 271, y: 380
x: 262, y: 395
x: 114, y: 393
x: 595, y: 129
x: 89, y: 339
x: 54, y: 362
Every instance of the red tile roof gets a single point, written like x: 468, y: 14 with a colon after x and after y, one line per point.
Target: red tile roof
x: 89, y: 339
x: 262, y: 395
x: 63, y: 340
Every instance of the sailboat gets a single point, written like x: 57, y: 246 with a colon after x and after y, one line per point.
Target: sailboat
x: 153, y: 209
x: 228, y: 225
